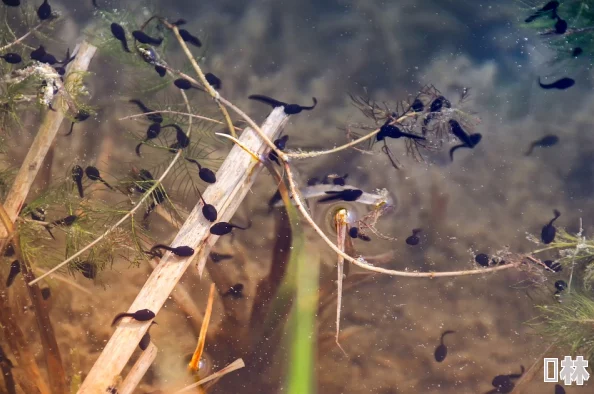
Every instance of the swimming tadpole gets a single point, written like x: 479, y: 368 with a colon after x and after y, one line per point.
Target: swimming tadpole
x: 545, y: 142
x: 344, y: 195
x: 44, y: 11
x: 547, y: 234
x: 152, y: 132
x: 280, y: 144
x: 223, y: 228
x: 441, y: 351
x: 120, y: 34
x: 139, y: 315
x: 468, y: 140
x: 414, y: 239
x: 77, y: 176
x: 561, y: 84
x: 155, y: 118
x: 15, y: 269
x: 12, y: 58
x: 290, y: 109
x: 218, y: 257
x: 144, y: 38
x: 187, y: 37
x: 206, y: 174
x: 181, y: 251
x: 12, y: 3
x: 94, y: 175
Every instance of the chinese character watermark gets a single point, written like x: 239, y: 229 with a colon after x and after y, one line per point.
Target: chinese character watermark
x: 571, y: 370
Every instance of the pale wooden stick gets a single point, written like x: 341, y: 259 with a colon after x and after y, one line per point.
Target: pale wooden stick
x: 235, y: 365
x: 138, y: 370
x: 341, y: 219
x: 184, y: 301
x: 234, y: 179
x: 166, y: 111
x: 42, y: 143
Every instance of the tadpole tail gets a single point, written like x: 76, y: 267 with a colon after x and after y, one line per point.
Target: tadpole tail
x: 71, y: 128
x: 50, y: 232
x: 119, y: 316
x: 329, y: 198
x: 454, y: 149
x: 79, y: 186
x: 529, y: 151
x: 138, y: 149
x: 107, y: 184
x: 125, y: 46
x: 315, y: 102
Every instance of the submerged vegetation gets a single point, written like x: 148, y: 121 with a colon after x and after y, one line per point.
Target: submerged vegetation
x: 89, y: 219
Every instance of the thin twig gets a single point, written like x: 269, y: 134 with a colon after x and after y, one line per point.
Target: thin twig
x: 213, y: 93
x: 235, y: 365
x: 5, y: 47
x: 177, y: 113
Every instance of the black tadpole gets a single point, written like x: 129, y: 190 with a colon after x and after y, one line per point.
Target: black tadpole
x: 44, y: 11
x: 547, y: 234
x: 441, y: 351
x: 120, y: 34
x: 155, y: 118
x: 344, y: 195
x: 183, y: 84
x: 183, y: 141
x: 87, y: 269
x: 12, y: 3
x: 46, y: 293
x: 206, y: 174
x: 77, y: 176
x: 290, y: 109
x: 12, y: 58
x: 81, y: 116
x: 15, y: 269
x: 414, y: 239
x: 391, y: 131
x: 181, y: 251
x: 482, y: 259
x: 214, y: 81
x: 218, y: 257
x: 162, y: 71
x: 145, y: 341
x: 223, y: 228
x: 139, y: 315
x: 94, y: 175
x: 468, y: 141
x: 152, y: 132
x: 281, y: 144
x: 187, y: 37
x: 144, y: 38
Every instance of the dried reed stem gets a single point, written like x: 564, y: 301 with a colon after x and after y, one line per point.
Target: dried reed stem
x: 166, y: 111
x: 42, y: 143
x: 138, y: 370
x: 234, y: 179
x: 51, y: 350
x: 194, y: 364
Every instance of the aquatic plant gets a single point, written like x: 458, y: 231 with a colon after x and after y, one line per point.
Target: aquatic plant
x: 575, y: 40
x: 68, y: 228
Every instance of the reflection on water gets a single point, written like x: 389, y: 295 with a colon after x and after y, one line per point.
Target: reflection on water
x: 487, y: 199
